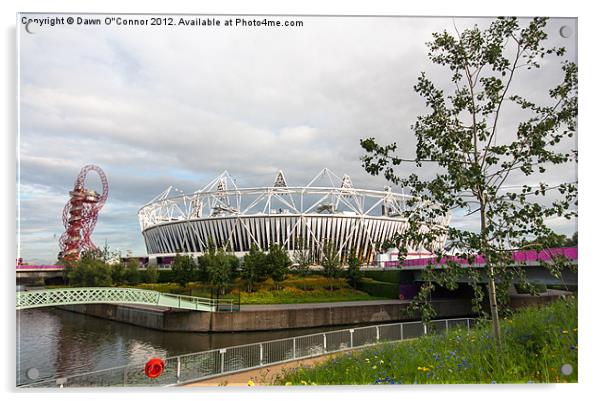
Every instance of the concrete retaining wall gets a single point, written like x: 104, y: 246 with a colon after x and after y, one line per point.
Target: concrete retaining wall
x: 121, y: 313
x: 274, y: 319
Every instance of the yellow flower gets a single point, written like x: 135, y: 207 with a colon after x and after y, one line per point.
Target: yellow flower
x: 575, y: 329
x: 288, y: 384
x: 250, y: 383
x: 381, y: 361
x: 374, y: 367
x: 565, y: 332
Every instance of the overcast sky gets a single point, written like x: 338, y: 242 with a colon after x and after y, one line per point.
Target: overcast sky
x: 176, y: 106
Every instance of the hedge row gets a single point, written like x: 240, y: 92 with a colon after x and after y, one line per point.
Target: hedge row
x: 387, y: 276
x: 165, y: 276
x: 379, y: 288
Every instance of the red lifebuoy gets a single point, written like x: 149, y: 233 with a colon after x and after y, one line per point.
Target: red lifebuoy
x: 154, y: 367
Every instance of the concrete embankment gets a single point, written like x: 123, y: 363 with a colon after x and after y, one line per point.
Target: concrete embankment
x: 269, y: 317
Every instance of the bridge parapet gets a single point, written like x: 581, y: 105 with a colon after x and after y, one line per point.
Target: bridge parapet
x: 520, y: 257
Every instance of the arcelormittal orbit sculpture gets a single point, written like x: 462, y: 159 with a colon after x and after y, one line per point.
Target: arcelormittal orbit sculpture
x: 80, y: 215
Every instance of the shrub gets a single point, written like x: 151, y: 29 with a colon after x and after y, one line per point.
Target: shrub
x: 90, y: 271
x: 132, y: 272
x: 277, y: 263
x: 354, y: 274
x: 331, y: 262
x: 183, y: 269
x: 388, y: 276
x: 151, y: 275
x: 118, y: 273
x: 252, y: 266
x: 379, y: 288
x: 313, y: 283
x: 165, y: 276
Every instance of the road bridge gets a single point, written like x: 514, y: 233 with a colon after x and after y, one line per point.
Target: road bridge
x: 535, y: 264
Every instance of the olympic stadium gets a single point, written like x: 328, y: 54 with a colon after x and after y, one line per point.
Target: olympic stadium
x: 328, y: 209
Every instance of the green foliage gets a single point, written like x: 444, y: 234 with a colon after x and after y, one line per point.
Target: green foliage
x: 331, y: 262
x: 220, y: 271
x: 379, y: 288
x: 551, y: 240
x: 132, y: 271
x: 106, y: 254
x: 354, y: 273
x: 202, y: 268
x: 252, y: 266
x: 183, y: 269
x: 476, y: 159
x: 315, y: 282
x: 118, y: 273
x: 165, y: 276
x: 151, y: 274
x: 277, y: 263
x: 394, y: 276
x: 90, y: 271
x: 292, y: 295
x: 302, y: 258
x: 573, y: 241
x: 537, y: 343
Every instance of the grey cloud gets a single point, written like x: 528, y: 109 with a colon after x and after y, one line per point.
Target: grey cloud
x: 155, y: 108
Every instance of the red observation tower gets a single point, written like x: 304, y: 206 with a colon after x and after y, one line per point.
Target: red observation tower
x: 80, y: 215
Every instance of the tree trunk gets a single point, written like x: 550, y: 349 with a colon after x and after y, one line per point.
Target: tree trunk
x: 495, y: 318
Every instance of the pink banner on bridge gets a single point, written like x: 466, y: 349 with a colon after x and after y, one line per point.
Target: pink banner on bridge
x: 518, y: 256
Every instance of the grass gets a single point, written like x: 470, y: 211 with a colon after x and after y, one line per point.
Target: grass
x: 537, y: 342
x: 292, y: 290
x: 291, y: 295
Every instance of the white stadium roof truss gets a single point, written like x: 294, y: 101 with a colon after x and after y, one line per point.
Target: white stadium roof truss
x: 174, y: 221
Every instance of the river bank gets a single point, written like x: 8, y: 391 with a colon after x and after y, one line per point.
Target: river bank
x: 269, y: 317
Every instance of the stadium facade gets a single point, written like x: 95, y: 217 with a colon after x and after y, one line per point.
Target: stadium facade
x: 328, y: 209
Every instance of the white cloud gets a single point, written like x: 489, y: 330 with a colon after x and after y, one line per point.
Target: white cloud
x: 176, y: 107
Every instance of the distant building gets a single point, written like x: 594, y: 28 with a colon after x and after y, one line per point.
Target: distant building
x: 294, y: 217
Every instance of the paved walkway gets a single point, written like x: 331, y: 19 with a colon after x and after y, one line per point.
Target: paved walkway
x: 248, y: 308
x: 262, y: 376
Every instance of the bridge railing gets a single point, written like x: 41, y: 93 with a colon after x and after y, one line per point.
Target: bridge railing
x: 214, y: 363
x: 117, y: 295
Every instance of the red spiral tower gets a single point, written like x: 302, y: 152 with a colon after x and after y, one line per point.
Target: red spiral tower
x: 80, y: 215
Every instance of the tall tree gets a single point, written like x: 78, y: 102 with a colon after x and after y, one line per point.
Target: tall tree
x: 183, y: 269
x: 151, y: 274
x: 303, y: 259
x: 90, y: 271
x: 354, y: 274
x: 331, y: 262
x: 251, y: 267
x: 277, y: 262
x: 132, y: 271
x: 477, y: 148
x: 220, y: 272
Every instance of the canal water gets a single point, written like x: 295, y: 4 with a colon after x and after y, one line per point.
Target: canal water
x: 58, y: 343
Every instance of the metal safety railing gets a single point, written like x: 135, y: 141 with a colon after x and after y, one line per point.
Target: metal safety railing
x: 207, y: 364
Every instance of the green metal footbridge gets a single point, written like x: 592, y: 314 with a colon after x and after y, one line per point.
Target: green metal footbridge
x: 112, y: 295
